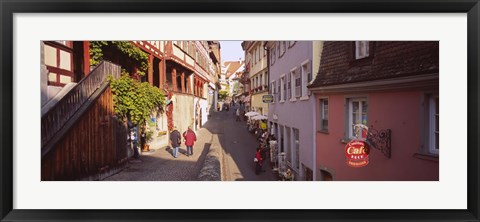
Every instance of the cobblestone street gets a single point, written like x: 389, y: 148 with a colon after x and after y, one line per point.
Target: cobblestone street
x: 159, y: 164
x: 237, y: 147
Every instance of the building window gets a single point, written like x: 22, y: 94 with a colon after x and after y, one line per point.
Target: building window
x: 265, y: 76
x: 284, y: 87
x: 272, y: 88
x: 275, y: 132
x: 291, y: 43
x: 357, y: 114
x: 325, y: 175
x: 258, y: 55
x: 298, y: 83
x: 186, y: 45
x: 279, y: 98
x: 279, y: 50
x: 361, y: 49
x: 323, y: 117
x: 288, y: 146
x: 308, y: 173
x: 289, y: 86
x: 277, y: 90
x: 65, y: 43
x: 273, y: 56
x: 282, y: 46
x: 274, y: 91
x: 296, y: 158
x: 58, y: 61
x: 280, y: 139
x: 306, y: 75
x: 434, y: 130
x: 191, y: 48
x: 260, y: 83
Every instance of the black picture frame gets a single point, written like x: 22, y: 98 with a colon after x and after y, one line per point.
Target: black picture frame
x: 9, y: 7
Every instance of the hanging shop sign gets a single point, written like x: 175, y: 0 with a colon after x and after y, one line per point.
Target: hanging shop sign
x: 357, y: 152
x: 267, y: 98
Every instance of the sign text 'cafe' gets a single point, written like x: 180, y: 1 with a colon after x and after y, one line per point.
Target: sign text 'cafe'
x: 357, y: 153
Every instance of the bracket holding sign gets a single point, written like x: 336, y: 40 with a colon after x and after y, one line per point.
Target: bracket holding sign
x: 378, y: 139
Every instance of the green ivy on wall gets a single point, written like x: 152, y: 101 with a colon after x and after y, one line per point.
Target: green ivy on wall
x: 135, y: 99
x: 222, y: 95
x: 125, y: 47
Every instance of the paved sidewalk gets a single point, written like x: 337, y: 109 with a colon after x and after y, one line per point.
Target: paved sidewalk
x: 160, y: 165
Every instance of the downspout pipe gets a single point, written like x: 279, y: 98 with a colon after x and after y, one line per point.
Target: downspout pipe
x: 268, y: 78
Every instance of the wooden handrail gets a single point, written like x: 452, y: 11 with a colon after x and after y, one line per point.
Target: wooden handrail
x: 54, y: 119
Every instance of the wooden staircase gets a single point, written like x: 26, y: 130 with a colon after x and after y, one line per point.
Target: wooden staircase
x: 74, y: 130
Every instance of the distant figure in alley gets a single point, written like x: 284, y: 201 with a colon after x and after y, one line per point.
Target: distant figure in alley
x: 238, y: 114
x: 190, y: 139
x: 175, y: 140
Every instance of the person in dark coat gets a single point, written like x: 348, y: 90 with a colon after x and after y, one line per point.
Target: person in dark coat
x: 175, y: 141
x: 134, y: 138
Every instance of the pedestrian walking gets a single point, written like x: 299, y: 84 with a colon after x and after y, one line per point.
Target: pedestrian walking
x: 238, y: 115
x: 133, y: 138
x: 190, y: 139
x: 143, y: 138
x: 258, y: 161
x: 175, y: 140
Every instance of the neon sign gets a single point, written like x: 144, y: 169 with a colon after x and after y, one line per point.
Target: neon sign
x: 357, y: 152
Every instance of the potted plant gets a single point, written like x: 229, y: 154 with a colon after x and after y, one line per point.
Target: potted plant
x: 148, y: 139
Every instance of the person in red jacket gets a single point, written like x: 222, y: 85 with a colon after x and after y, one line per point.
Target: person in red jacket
x: 190, y: 139
x: 258, y: 163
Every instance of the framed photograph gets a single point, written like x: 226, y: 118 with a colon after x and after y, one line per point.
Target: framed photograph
x: 378, y: 76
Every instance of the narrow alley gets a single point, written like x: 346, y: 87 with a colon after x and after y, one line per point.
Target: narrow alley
x: 237, y: 164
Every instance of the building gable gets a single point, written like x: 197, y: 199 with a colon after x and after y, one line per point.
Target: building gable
x: 388, y: 59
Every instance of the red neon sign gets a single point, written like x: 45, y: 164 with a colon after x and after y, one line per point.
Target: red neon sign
x: 357, y: 152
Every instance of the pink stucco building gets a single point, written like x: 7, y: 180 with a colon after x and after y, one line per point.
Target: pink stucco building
x: 388, y: 87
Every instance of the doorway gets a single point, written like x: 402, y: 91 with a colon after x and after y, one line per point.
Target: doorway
x: 325, y: 175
